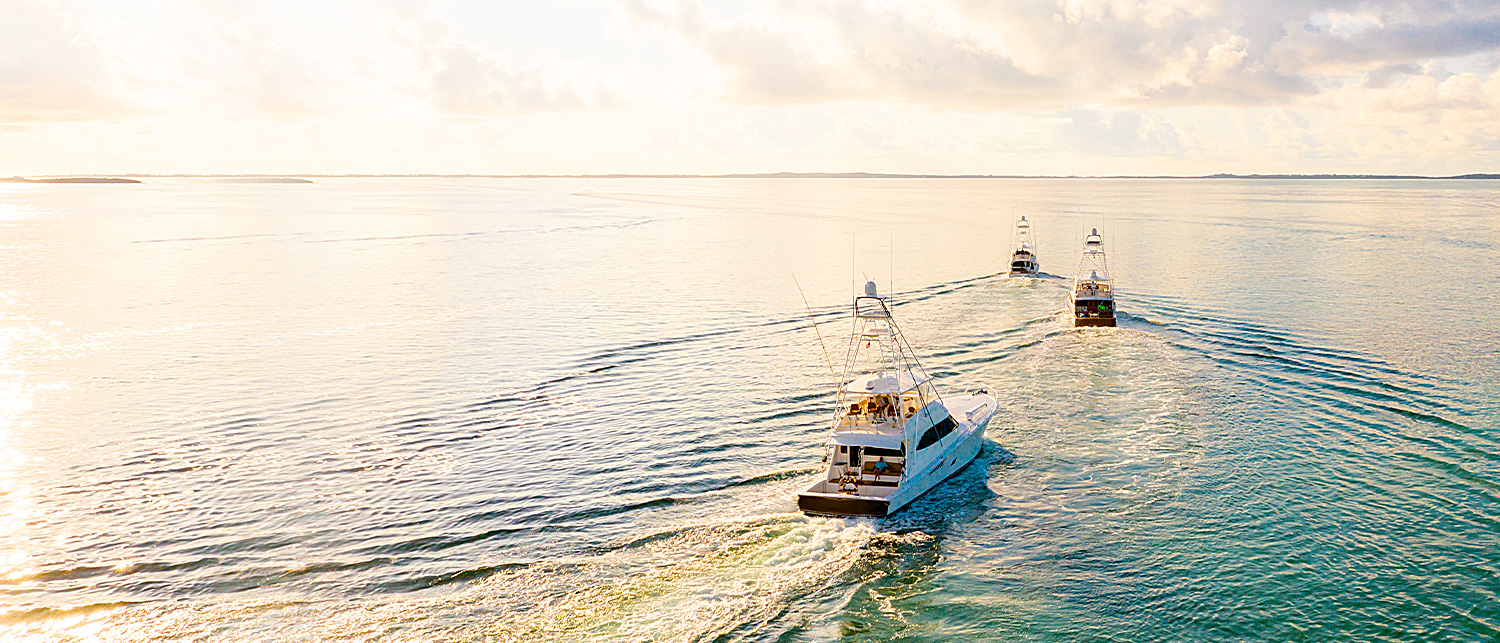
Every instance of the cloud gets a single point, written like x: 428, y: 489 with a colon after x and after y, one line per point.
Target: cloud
x: 269, y: 66
x: 466, y: 82
x: 50, y: 67
x: 1126, y: 134
x: 1384, y: 45
x: 1013, y: 86
x: 463, y: 80
x: 1050, y: 54
x: 847, y: 50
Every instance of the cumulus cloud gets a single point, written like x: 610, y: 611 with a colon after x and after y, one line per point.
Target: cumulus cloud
x: 1029, y: 54
x: 466, y: 82
x: 848, y: 50
x: 463, y: 80
x: 1123, y: 133
x: 1390, y: 44
x: 270, y: 70
x: 1447, y: 113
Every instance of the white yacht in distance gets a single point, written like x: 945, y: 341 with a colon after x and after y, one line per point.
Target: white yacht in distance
x: 1023, y: 252
x: 1093, y: 295
x: 894, y: 437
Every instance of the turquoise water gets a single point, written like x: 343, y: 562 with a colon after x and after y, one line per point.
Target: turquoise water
x: 579, y: 410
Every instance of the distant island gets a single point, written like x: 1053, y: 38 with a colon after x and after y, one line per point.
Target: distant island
x: 884, y: 175
x: 263, y: 179
x: 1346, y: 176
x: 70, y: 179
x: 875, y: 175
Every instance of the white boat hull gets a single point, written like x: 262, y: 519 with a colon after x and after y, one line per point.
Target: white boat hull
x: 959, y: 453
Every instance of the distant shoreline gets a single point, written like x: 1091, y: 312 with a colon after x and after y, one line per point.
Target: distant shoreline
x: 304, y: 178
x: 68, y: 179
x: 820, y: 175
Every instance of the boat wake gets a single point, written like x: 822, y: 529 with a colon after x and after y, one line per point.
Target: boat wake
x: 673, y: 519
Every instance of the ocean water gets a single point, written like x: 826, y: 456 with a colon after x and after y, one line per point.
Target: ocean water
x: 579, y: 410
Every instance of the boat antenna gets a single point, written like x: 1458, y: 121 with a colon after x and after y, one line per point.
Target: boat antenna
x: 901, y: 337
x: 1077, y: 232
x: 1110, y: 243
x: 892, y: 250
x: 853, y: 274
x: 814, y: 321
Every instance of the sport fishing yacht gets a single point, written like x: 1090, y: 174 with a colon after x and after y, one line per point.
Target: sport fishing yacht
x: 1093, y: 295
x: 894, y: 437
x: 1023, y: 254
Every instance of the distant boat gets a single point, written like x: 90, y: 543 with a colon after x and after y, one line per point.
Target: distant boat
x: 1093, y: 294
x: 894, y: 437
x: 1023, y: 251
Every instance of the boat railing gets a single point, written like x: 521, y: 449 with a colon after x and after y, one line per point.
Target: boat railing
x: 866, y: 424
x: 984, y: 389
x: 1091, y: 288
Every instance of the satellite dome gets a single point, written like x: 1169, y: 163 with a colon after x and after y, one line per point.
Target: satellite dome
x: 1095, y: 232
x: 869, y: 289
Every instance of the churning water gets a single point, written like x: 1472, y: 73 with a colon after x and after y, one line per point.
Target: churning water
x: 579, y: 410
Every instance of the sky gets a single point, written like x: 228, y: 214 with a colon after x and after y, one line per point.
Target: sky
x: 1051, y: 87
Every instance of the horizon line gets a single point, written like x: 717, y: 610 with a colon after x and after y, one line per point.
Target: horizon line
x: 794, y: 175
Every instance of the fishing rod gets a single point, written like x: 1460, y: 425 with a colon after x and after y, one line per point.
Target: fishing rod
x: 814, y: 321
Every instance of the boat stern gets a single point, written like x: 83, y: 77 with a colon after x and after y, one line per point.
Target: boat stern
x: 844, y: 505
x: 1082, y: 322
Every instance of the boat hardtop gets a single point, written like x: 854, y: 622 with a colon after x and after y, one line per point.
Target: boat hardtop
x: 1093, y: 294
x: 893, y: 435
x: 886, y: 383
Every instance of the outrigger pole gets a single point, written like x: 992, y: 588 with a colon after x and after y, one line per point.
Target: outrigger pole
x: 813, y: 320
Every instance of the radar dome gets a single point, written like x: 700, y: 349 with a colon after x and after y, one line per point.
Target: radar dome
x: 869, y: 289
x: 1095, y: 232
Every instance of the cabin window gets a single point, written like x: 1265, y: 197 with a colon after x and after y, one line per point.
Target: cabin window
x: 1094, y: 308
x: 877, y: 452
x: 937, y: 432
